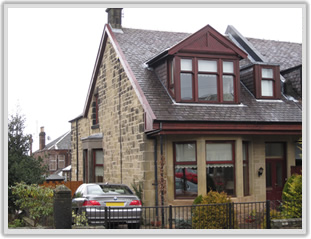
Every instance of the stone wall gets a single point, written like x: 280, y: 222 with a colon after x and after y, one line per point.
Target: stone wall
x: 295, y: 223
x: 128, y: 155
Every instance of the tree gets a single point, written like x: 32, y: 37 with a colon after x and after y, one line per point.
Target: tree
x: 21, y: 166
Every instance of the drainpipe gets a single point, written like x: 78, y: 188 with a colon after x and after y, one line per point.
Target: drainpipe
x: 77, y: 149
x: 120, y: 130
x: 162, y: 193
x: 156, y: 174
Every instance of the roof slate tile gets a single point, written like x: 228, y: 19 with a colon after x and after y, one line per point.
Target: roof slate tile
x: 139, y: 46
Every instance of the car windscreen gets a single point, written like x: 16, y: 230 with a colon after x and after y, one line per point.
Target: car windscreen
x: 108, y: 189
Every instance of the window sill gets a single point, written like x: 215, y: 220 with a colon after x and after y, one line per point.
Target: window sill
x: 96, y: 126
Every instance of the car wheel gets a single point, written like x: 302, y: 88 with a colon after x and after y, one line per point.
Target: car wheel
x: 133, y: 225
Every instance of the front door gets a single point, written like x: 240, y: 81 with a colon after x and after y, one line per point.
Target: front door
x: 275, y: 170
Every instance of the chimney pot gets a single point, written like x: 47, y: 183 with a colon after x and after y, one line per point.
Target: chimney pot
x: 115, y: 17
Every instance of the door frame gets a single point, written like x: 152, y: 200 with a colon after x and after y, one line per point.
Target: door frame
x: 276, y: 191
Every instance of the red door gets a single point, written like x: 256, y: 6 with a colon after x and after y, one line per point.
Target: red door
x: 275, y: 178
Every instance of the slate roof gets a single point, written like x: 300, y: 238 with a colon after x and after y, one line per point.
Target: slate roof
x: 62, y: 142
x: 140, y: 46
x: 288, y: 54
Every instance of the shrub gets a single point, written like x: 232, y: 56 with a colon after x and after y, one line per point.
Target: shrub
x: 138, y: 189
x: 212, y: 211
x: 80, y: 219
x: 292, y: 197
x: 16, y: 223
x: 35, y: 200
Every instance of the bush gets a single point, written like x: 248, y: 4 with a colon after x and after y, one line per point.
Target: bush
x: 80, y: 219
x: 16, y: 223
x: 292, y: 197
x: 35, y: 200
x: 214, y: 212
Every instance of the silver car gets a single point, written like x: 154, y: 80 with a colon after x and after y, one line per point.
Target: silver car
x: 108, y: 204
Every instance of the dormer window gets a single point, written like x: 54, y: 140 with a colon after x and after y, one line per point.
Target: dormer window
x: 204, y: 80
x: 267, y: 81
x: 202, y: 68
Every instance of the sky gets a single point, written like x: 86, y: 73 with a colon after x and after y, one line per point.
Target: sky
x: 52, y: 51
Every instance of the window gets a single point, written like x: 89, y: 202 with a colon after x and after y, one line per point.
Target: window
x: 267, y: 82
x: 61, y: 161
x: 245, y: 169
x: 185, y: 170
x: 95, y: 110
x: 98, y: 166
x: 207, y: 80
x: 228, y: 81
x: 274, y: 150
x: 186, y: 84
x: 220, y: 167
x: 52, y: 163
x: 171, y: 77
x: 204, y: 80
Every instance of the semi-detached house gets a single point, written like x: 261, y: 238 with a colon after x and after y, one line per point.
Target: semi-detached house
x: 186, y: 113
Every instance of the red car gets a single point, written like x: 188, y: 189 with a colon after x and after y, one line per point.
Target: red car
x: 190, y: 174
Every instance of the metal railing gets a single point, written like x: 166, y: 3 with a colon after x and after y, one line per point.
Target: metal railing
x: 248, y: 215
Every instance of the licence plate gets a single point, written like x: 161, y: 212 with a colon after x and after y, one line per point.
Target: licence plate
x: 115, y: 204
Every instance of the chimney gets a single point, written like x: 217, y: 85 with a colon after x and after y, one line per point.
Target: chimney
x: 114, y: 17
x: 41, y: 138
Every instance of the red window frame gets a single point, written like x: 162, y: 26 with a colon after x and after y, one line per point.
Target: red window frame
x: 275, y: 80
x: 95, y: 164
x: 171, y: 78
x: 225, y: 162
x: 195, y: 71
x: 183, y: 163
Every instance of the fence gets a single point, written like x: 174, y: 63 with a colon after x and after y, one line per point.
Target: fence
x: 72, y: 185
x: 251, y: 215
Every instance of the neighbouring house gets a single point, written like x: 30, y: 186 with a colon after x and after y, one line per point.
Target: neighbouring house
x: 56, y: 155
x: 186, y: 113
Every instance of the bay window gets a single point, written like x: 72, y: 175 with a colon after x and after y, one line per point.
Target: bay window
x: 204, y: 80
x: 185, y: 170
x: 220, y: 167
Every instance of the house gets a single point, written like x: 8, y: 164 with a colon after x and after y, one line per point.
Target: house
x: 186, y: 113
x: 56, y: 155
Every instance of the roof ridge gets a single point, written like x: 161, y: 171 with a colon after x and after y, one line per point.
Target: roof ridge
x: 151, y: 30
x: 261, y: 39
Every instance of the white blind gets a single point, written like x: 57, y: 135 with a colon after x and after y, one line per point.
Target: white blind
x: 266, y: 88
x: 185, y: 152
x: 186, y: 166
x: 226, y: 165
x: 99, y: 157
x: 266, y: 73
x: 205, y: 65
x: 227, y: 67
x: 219, y: 152
x: 186, y: 64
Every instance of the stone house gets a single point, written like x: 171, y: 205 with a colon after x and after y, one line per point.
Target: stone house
x: 185, y: 113
x: 56, y: 154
